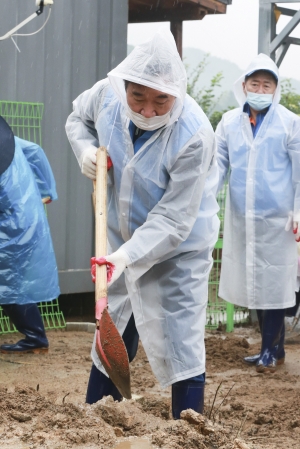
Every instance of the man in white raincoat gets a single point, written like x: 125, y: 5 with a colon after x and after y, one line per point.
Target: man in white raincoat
x: 259, y: 146
x: 162, y: 222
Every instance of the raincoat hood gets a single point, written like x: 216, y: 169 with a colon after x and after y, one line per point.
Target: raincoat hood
x: 155, y: 64
x: 260, y: 62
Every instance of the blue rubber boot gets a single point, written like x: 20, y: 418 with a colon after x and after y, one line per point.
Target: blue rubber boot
x: 188, y: 393
x: 253, y: 359
x: 99, y: 384
x: 28, y: 321
x: 272, y: 340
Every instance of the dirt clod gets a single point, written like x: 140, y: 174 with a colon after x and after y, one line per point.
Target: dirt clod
x: 259, y: 412
x: 21, y: 417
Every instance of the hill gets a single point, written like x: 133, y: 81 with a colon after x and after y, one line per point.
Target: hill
x: 231, y: 71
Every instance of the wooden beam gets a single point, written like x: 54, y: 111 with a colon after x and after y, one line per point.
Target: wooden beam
x: 212, y: 6
x: 176, y: 29
x: 170, y: 10
x: 164, y: 15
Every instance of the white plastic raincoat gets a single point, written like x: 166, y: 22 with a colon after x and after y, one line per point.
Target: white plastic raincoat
x: 259, y: 262
x: 161, y: 208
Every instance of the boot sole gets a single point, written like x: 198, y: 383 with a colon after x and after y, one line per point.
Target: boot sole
x: 27, y: 351
x: 265, y: 369
x: 269, y: 369
x: 279, y: 362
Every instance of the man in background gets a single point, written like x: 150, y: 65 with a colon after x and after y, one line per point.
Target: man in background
x: 259, y: 150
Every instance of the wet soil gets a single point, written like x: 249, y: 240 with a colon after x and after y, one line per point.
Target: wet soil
x: 42, y: 400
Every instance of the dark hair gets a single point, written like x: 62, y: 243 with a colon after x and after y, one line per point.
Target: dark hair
x: 126, y: 84
x: 247, y: 77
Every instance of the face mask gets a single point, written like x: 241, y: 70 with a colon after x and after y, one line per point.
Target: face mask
x: 148, y: 124
x: 258, y: 102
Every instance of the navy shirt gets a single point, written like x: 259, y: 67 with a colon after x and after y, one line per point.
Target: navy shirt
x: 259, y: 118
x: 138, y: 136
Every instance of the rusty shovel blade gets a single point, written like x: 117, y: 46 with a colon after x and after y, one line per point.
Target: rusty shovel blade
x: 112, y: 352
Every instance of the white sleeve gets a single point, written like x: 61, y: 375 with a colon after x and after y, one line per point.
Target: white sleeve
x: 293, y: 148
x: 222, y: 154
x: 80, y: 126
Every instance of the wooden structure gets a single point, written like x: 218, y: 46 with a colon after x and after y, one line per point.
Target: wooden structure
x: 175, y: 12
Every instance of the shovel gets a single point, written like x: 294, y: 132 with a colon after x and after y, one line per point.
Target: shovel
x: 109, y: 344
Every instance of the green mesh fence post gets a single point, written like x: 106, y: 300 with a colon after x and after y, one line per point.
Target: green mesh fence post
x: 221, y: 314
x: 25, y: 121
x: 230, y: 317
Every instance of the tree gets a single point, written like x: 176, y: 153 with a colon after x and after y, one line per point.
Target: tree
x: 206, y: 98
x: 289, y: 97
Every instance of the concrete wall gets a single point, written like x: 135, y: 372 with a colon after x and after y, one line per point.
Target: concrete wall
x: 82, y: 41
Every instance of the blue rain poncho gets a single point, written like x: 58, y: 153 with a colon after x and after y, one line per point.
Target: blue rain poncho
x: 259, y: 261
x: 28, y: 271
x: 161, y: 208
x: 40, y: 167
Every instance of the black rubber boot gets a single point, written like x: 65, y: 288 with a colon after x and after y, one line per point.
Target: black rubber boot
x: 188, y: 394
x: 99, y: 384
x: 28, y: 321
x: 272, y: 338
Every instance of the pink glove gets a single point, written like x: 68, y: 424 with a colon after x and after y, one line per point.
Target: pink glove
x: 115, y: 262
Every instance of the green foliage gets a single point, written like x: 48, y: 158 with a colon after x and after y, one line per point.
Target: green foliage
x: 206, y: 98
x: 289, y: 97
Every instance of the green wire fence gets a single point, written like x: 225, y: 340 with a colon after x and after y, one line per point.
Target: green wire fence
x: 25, y: 120
x: 219, y: 313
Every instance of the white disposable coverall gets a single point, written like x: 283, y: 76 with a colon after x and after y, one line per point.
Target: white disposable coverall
x: 161, y: 208
x: 259, y: 262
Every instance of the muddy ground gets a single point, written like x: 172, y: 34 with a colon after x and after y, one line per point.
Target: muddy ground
x: 42, y: 400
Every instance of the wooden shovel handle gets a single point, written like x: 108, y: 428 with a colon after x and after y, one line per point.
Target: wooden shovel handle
x: 101, y: 221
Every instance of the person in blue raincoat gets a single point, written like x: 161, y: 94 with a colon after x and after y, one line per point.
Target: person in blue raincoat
x: 28, y: 271
x: 162, y: 213
x: 259, y: 147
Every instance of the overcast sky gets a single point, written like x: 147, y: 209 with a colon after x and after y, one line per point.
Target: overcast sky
x: 232, y: 36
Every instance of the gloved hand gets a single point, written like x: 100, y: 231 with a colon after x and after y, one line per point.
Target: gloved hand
x: 115, y: 263
x: 296, y: 226
x: 119, y: 260
x: 295, y: 219
x: 296, y: 230
x: 88, y: 162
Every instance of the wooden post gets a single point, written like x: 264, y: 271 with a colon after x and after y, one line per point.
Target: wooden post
x: 101, y: 222
x: 176, y: 30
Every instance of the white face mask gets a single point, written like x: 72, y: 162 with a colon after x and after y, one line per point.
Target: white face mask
x: 258, y: 102
x: 148, y: 124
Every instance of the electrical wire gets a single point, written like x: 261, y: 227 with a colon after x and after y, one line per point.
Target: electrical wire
x: 40, y: 29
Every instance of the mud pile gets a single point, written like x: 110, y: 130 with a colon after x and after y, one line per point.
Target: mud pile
x: 29, y: 418
x: 224, y: 353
